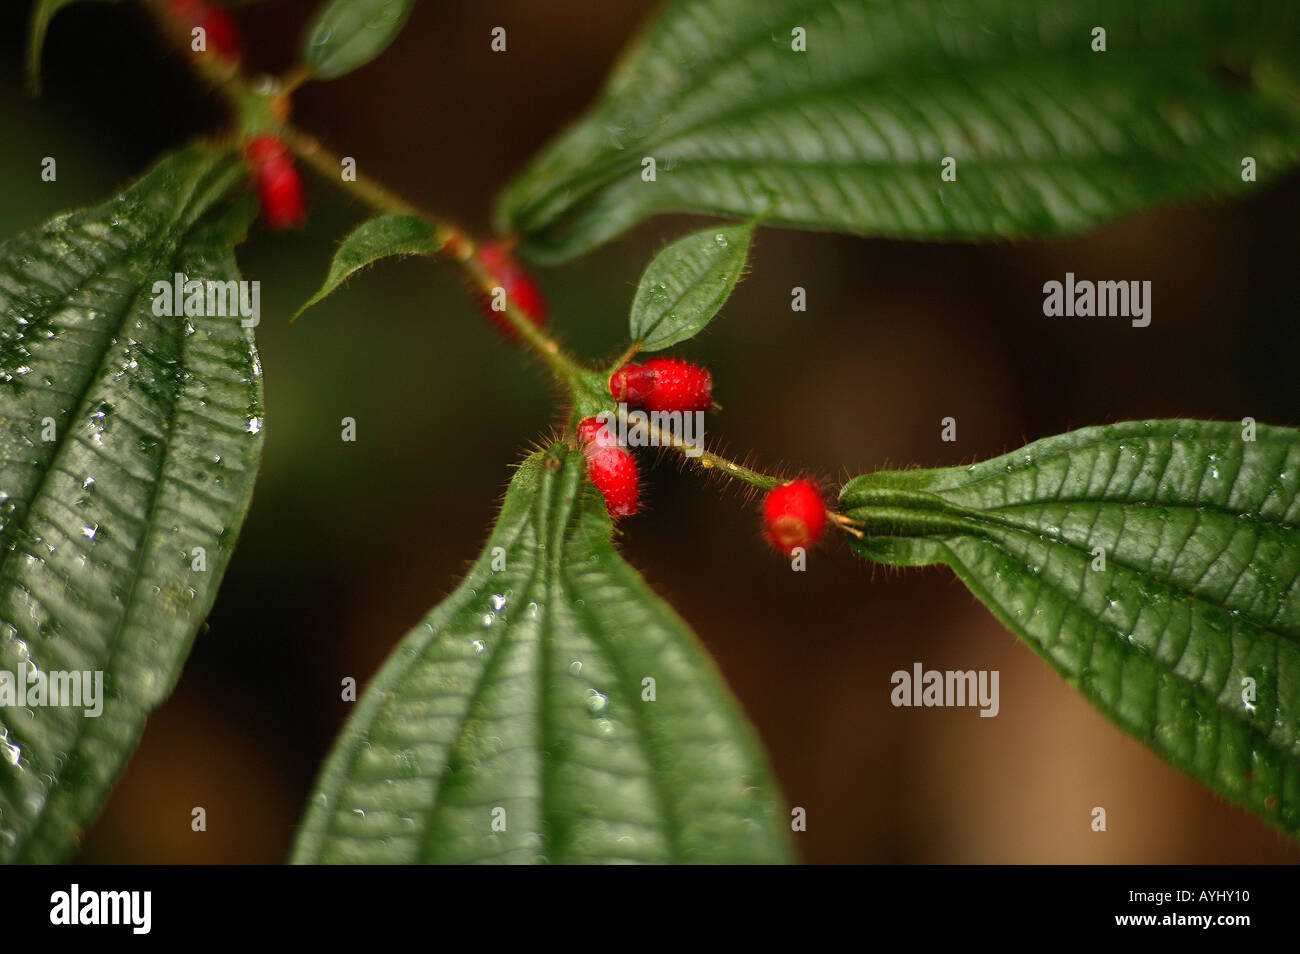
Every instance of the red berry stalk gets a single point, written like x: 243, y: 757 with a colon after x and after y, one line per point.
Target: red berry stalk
x: 611, y: 468
x: 794, y: 515
x: 663, y: 384
x: 278, y: 183
x: 520, y: 288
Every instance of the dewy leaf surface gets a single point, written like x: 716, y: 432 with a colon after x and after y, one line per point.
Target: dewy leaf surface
x: 381, y: 237
x: 1189, y: 637
x: 686, y: 284
x: 347, y: 34
x: 127, y: 441
x: 522, y: 701
x: 1048, y: 136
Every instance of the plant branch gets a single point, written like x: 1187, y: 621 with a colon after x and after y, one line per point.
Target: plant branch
x: 265, y: 108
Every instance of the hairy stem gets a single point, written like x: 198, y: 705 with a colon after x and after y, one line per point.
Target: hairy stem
x: 707, y: 460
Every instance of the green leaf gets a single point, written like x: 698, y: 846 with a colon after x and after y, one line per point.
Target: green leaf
x: 1048, y: 136
x: 525, y: 691
x: 686, y: 285
x: 127, y: 440
x: 381, y: 237
x: 349, y: 33
x: 1189, y: 637
x: 42, y: 13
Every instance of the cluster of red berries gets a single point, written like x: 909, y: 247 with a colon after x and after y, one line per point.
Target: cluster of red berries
x: 660, y: 384
x: 794, y: 514
x: 278, y: 183
x: 221, y: 36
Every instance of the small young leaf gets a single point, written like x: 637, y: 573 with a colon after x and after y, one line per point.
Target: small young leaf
x: 686, y: 284
x: 130, y: 436
x: 1154, y: 564
x: 938, y: 120
x: 42, y: 13
x: 346, y: 34
x: 551, y: 709
x: 382, y: 237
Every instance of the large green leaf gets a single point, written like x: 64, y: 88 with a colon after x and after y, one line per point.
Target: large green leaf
x: 346, y: 34
x: 381, y: 237
x: 127, y: 440
x: 524, y: 691
x: 686, y: 284
x: 1188, y: 636
x: 1048, y: 136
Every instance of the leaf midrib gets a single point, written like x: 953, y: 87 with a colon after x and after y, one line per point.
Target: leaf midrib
x: 671, y: 827
x: 155, y: 250
x: 917, y: 480
x: 653, y: 48
x: 499, y: 652
x: 606, y: 169
x: 156, y: 488
x: 974, y: 521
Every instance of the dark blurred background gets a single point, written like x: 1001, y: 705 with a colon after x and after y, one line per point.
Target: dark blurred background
x: 348, y: 545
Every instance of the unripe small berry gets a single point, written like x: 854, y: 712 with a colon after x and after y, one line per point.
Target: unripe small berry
x: 611, y: 468
x: 278, y: 183
x: 219, y: 29
x: 520, y: 288
x: 663, y: 384
x: 794, y: 515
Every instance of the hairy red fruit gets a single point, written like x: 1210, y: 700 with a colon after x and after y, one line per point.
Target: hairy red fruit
x: 794, y: 515
x: 663, y: 384
x: 592, y: 430
x: 221, y: 35
x: 611, y: 468
x: 521, y: 291
x: 613, y: 471
x: 283, y: 203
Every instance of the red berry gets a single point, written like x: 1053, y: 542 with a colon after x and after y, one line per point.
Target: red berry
x: 631, y: 383
x: 613, y: 471
x: 261, y: 148
x: 283, y: 203
x: 611, y: 468
x: 220, y: 33
x: 521, y: 291
x: 794, y: 515
x: 663, y: 384
x: 592, y: 430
